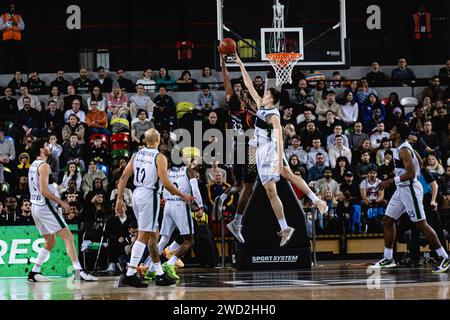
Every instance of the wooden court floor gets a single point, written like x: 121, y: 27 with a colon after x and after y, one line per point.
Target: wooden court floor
x: 339, y: 281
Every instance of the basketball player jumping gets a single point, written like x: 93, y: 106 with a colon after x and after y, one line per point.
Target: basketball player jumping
x: 407, y: 198
x: 149, y: 166
x: 270, y: 160
x: 46, y: 216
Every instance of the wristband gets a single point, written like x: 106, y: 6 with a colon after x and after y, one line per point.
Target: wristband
x: 397, y: 180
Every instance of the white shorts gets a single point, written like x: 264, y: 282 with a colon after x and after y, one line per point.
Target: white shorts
x: 177, y: 214
x: 267, y: 162
x: 146, y: 208
x: 407, y: 199
x: 47, y: 218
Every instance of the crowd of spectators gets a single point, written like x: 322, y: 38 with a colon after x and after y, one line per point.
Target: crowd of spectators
x: 339, y: 143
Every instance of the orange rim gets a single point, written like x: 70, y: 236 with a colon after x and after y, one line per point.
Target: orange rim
x: 283, y: 59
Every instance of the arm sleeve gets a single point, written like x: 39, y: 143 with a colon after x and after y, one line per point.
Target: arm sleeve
x: 196, y: 192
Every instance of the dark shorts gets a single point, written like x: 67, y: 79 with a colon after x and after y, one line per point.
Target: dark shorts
x: 247, y: 172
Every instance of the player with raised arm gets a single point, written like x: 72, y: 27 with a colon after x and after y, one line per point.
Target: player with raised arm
x: 270, y: 160
x: 46, y: 216
x: 407, y: 198
x: 149, y: 167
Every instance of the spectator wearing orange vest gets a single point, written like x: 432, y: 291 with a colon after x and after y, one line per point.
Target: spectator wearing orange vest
x: 422, y: 34
x: 12, y: 26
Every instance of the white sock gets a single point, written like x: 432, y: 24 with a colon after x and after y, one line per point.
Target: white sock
x: 223, y: 196
x: 388, y: 253
x: 174, y: 246
x: 313, y: 197
x: 158, y: 268
x: 282, y: 223
x: 43, y: 256
x: 77, y: 265
x: 148, y: 261
x: 172, y: 260
x: 136, y: 256
x: 163, y: 241
x: 441, y: 252
x: 237, y: 218
x: 152, y: 267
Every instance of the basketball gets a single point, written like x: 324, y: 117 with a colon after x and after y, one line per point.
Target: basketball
x: 227, y: 46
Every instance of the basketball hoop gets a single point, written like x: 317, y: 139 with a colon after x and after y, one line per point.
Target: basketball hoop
x: 283, y: 63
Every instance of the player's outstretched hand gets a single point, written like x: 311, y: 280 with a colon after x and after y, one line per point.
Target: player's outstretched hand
x: 187, y: 197
x: 237, y: 58
x: 120, y: 206
x: 65, y: 206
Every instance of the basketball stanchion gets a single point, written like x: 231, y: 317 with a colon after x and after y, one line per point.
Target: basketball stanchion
x: 313, y: 217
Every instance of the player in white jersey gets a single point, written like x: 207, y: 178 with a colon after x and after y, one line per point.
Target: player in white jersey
x: 47, y: 218
x: 407, y: 198
x: 149, y: 167
x: 177, y: 214
x: 269, y: 155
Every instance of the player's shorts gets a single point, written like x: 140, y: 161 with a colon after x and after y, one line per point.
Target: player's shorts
x: 407, y: 199
x: 146, y: 208
x: 47, y: 218
x: 246, y: 172
x: 177, y: 214
x: 267, y: 163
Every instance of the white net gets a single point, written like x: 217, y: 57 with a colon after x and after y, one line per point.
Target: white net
x: 283, y: 63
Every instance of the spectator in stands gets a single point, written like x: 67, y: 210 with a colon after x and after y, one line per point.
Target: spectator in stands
x: 337, y: 131
x: 141, y: 101
x: 209, y: 79
x: 99, y: 151
x: 8, y: 105
x: 210, y: 173
x: 329, y: 104
x: 385, y: 145
x: 444, y: 188
x: 28, y: 119
x: 117, y: 103
x: 368, y: 110
x: 258, y: 84
x: 76, y: 110
x: 102, y: 81
x: 377, y: 137
x: 7, y: 151
x: 72, y: 193
x: 339, y: 150
x: 327, y: 183
x: 186, y: 82
x: 56, y: 149
x: 97, y: 95
x: 97, y: 189
x: 82, y: 84
x: 55, y: 95
x: 348, y: 111
x: 429, y: 141
x: 16, y: 83
x: 127, y: 195
x: 364, y: 91
x: 73, y: 126
x: 206, y: 101
x: 25, y: 218
x: 350, y: 186
x: 342, y: 166
x: 71, y: 96
x: 88, y: 179
x: 73, y: 216
x: 375, y: 77
x: 386, y: 166
x: 357, y: 137
x: 440, y: 122
x: 287, y: 116
x: 434, y: 166
x: 417, y: 123
x: 60, y: 82
x: 217, y: 187
x: 166, y: 80
x: 5, y: 219
x: 35, y: 85
x: 72, y: 173
x: 444, y: 74
x: 125, y: 84
x: 296, y: 149
x: 35, y: 103
x: 303, y: 119
x: 213, y: 123
x: 309, y: 135
x: 96, y: 119
x: 327, y: 127
x: 353, y: 88
x: 73, y: 151
x: 10, y: 210
x: 293, y: 163
x: 289, y: 133
x: 165, y: 111
x: 53, y: 118
x: 139, y: 127
x: 434, y: 90
x: 316, y: 171
x: 363, y: 166
x: 147, y: 82
x: 303, y: 98
x: 372, y: 199
x: 312, y: 154
x: 403, y: 75
x: 393, y: 103
x: 337, y: 80
x: 320, y: 92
